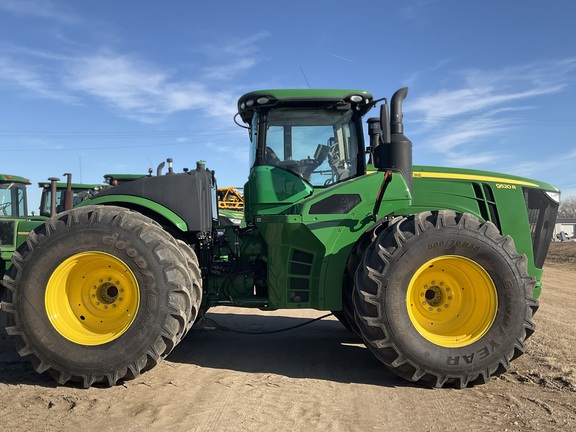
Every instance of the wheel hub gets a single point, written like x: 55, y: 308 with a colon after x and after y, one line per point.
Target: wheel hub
x: 92, y: 298
x: 436, y: 296
x: 451, y: 301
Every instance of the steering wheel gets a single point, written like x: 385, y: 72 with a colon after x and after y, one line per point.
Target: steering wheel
x: 4, y: 206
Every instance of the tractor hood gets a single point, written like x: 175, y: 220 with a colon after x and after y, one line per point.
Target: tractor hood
x: 503, y: 181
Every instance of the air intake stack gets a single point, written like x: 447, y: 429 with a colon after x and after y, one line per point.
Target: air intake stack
x: 396, y: 154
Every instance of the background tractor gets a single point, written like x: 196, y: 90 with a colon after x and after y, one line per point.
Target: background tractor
x: 16, y: 223
x: 437, y: 270
x: 66, y: 194
x: 14, y: 220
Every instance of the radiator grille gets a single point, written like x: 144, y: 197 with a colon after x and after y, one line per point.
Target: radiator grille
x: 542, y: 213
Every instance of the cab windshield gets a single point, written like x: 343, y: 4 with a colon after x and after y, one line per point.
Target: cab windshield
x: 12, y: 200
x: 319, y: 146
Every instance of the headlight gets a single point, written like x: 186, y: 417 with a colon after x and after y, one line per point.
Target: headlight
x: 555, y: 196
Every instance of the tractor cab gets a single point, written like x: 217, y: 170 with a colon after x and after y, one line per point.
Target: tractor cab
x: 66, y: 195
x: 301, y: 141
x: 314, y: 135
x: 13, y: 196
x: 13, y: 214
x: 80, y: 192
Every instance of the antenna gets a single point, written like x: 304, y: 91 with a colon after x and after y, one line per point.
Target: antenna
x: 305, y: 77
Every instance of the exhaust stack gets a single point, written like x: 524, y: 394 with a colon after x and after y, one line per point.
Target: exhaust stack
x: 395, y: 155
x: 68, y: 194
x: 53, y: 186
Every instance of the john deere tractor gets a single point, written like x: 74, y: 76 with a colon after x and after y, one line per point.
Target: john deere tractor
x: 437, y: 270
x: 14, y: 220
x: 15, y: 223
x: 67, y: 194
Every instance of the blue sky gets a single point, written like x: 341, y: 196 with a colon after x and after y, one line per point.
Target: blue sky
x: 96, y: 87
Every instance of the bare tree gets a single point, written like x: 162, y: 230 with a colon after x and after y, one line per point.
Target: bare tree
x: 567, y: 208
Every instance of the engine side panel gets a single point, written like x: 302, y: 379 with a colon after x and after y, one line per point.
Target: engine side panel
x: 190, y: 195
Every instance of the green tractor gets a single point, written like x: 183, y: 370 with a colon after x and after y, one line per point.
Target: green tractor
x: 437, y: 270
x: 67, y: 194
x: 15, y: 223
x: 14, y: 220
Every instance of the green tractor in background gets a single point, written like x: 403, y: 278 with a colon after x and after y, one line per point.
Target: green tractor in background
x: 16, y: 223
x: 437, y: 270
x: 67, y: 194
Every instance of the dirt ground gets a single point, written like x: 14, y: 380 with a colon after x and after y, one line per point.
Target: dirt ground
x: 314, y: 378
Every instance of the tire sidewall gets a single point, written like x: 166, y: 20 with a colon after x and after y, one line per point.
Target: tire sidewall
x: 123, y: 243
x: 495, y: 344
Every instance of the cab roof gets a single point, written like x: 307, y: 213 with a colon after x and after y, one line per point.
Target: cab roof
x: 8, y: 178
x: 248, y: 103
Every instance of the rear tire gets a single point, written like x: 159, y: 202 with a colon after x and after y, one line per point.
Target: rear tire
x: 195, y: 288
x: 98, y: 294
x: 443, y: 299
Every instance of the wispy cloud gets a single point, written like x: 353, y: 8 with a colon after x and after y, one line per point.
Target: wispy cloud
x: 341, y: 58
x: 230, y: 58
x: 246, y: 46
x: 40, y: 9
x: 127, y: 83
x: 227, y: 71
x: 461, y: 158
x: 138, y: 89
x: 33, y: 80
x: 411, y: 12
x: 485, y: 104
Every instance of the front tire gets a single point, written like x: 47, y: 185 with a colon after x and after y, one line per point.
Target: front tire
x: 443, y: 299
x: 98, y: 294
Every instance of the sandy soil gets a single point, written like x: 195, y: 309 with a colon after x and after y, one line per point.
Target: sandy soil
x: 314, y: 378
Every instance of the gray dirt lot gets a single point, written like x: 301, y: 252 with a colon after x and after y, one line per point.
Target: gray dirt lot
x: 315, y: 378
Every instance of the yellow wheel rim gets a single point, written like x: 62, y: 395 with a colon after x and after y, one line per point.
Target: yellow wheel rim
x: 92, y: 298
x: 452, y: 301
